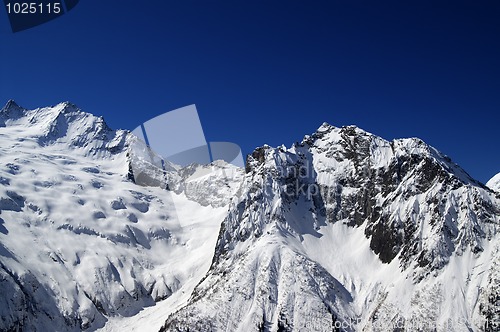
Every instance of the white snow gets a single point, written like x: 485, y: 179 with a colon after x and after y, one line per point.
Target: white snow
x: 494, y: 183
x: 70, y: 219
x: 86, y: 243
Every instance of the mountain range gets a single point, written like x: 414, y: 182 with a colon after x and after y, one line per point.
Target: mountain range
x: 342, y: 231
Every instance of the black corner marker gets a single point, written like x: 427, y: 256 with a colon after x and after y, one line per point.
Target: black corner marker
x: 70, y: 4
x: 26, y: 14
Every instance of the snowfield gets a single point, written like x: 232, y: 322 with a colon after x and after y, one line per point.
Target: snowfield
x: 343, y: 231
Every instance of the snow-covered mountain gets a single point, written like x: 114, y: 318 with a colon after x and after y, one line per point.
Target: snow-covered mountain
x: 351, y: 231
x: 344, y: 231
x: 80, y: 241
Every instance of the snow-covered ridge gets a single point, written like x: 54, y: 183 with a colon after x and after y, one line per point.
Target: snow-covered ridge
x: 65, y: 124
x: 344, y: 231
x: 81, y: 243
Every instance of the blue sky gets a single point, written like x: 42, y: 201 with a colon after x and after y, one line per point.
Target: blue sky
x: 269, y: 72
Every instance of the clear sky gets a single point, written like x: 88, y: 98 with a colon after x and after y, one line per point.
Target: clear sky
x: 269, y: 72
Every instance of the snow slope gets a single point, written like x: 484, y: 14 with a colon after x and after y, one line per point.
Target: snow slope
x: 494, y: 183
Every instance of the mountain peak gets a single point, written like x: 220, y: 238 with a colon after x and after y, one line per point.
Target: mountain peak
x: 64, y: 123
x: 325, y: 126
x: 66, y: 105
x: 10, y: 104
x: 11, y: 110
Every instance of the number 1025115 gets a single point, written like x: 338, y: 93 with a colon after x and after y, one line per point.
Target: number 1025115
x: 34, y: 8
